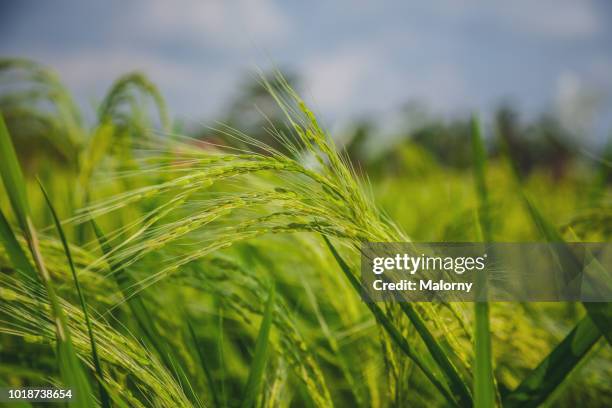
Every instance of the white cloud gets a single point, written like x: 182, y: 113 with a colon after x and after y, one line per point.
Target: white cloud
x: 193, y: 86
x: 599, y: 72
x: 334, y: 79
x: 441, y: 86
x: 554, y: 18
x: 362, y: 78
x: 191, y: 90
x: 578, y: 103
x: 85, y: 69
x: 217, y: 23
x: 561, y: 19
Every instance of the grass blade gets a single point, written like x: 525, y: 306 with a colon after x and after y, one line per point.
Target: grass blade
x: 456, y: 383
x: 484, y: 394
x: 13, y: 249
x: 220, y: 343
x: 104, y: 397
x: 204, y: 364
x: 256, y: 374
x: 343, y: 363
x: 13, y: 177
x: 483, y: 369
x: 70, y: 368
x: 391, y: 330
x: 551, y: 372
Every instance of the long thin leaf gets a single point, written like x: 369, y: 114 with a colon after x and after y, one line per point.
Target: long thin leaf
x: 391, y: 330
x: 484, y: 386
x: 551, y: 372
x: 104, y: 397
x: 257, y: 372
x: 342, y: 360
x: 221, y: 348
x: 70, y: 368
x: 13, y: 249
x: 456, y: 383
x: 204, y: 364
x: 13, y: 177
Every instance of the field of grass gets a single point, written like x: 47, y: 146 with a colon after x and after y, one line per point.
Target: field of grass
x: 144, y: 268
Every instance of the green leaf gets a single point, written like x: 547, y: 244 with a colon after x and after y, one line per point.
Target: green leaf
x: 551, y: 372
x: 222, y: 364
x: 257, y: 372
x: 71, y: 370
x: 484, y: 385
x: 104, y: 397
x: 391, y: 330
x: 13, y: 177
x: 479, y: 158
x: 457, y: 385
x: 16, y: 255
x: 203, y: 364
x: 483, y: 369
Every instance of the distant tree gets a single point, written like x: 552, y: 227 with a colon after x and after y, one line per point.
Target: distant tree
x: 254, y: 112
x: 449, y: 142
x: 541, y: 143
x: 356, y: 147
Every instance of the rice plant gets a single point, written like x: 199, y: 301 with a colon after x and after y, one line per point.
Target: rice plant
x: 159, y: 270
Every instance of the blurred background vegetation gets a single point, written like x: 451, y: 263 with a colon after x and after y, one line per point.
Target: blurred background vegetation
x: 429, y: 155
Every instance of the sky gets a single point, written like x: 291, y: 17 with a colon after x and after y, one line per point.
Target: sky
x: 355, y: 58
